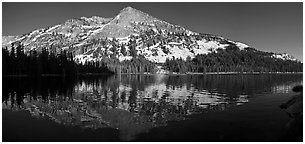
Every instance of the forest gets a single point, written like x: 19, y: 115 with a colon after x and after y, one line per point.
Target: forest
x: 43, y: 62
x: 232, y: 59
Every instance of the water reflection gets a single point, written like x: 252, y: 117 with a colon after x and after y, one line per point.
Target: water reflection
x: 135, y: 103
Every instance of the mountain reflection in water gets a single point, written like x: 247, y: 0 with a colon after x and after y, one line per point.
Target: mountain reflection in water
x: 135, y: 103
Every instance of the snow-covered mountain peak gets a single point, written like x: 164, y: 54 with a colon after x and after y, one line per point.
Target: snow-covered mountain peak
x: 92, y: 38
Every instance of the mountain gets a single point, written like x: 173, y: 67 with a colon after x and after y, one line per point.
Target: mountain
x: 130, y: 33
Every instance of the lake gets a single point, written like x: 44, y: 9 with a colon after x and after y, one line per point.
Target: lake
x: 145, y: 107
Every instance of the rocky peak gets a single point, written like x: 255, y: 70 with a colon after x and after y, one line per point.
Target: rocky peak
x: 129, y: 15
x: 129, y: 9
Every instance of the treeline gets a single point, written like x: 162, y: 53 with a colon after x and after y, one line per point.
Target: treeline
x: 232, y: 59
x: 137, y: 64
x: 43, y: 62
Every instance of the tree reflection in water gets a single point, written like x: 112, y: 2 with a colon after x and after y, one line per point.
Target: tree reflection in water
x: 134, y: 103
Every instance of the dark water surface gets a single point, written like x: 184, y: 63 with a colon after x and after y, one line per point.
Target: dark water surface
x: 146, y: 107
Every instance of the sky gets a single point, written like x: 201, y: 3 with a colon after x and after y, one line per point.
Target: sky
x: 272, y: 27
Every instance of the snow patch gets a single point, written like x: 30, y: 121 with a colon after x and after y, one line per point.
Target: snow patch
x: 284, y: 56
x: 123, y: 40
x: 52, y: 28
x: 241, y: 45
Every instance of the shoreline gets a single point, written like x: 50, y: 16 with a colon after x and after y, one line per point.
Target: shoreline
x: 214, y: 73
x: 58, y: 75
x: 228, y: 73
x: 174, y: 73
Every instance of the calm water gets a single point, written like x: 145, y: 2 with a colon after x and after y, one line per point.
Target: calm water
x: 134, y: 104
